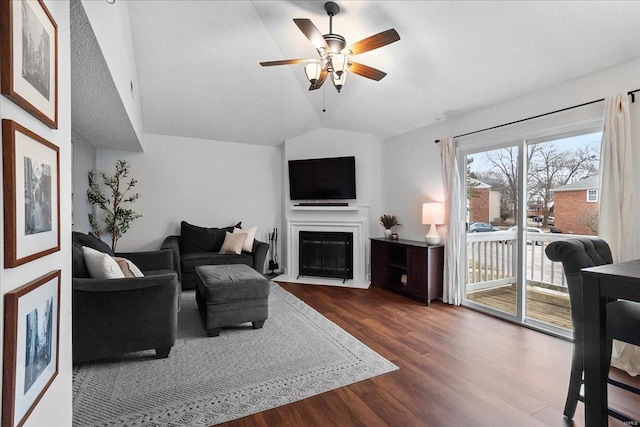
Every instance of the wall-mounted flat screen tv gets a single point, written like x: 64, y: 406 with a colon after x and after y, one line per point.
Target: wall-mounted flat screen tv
x: 323, y: 179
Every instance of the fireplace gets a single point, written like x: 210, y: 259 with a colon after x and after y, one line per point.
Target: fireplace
x: 326, y: 254
x: 318, y: 220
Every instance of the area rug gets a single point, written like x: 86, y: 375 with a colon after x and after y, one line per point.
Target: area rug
x: 209, y: 380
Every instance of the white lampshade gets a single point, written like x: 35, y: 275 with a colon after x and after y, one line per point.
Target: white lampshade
x: 338, y: 81
x: 433, y: 213
x: 313, y: 70
x: 339, y: 63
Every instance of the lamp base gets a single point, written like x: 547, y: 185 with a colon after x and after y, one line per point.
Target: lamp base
x: 432, y: 241
x: 433, y: 238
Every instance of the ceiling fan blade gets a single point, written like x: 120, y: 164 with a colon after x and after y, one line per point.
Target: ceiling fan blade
x: 318, y: 84
x: 285, y: 62
x: 312, y: 33
x: 366, y: 71
x: 373, y: 42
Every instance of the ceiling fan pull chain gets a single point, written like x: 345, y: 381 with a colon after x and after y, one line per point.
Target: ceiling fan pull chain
x: 324, y: 93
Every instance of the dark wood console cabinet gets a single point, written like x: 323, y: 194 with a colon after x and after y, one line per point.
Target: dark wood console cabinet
x: 422, y: 265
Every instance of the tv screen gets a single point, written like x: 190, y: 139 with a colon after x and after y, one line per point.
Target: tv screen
x: 323, y: 179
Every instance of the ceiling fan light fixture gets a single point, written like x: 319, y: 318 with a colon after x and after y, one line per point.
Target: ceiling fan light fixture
x: 338, y: 80
x: 334, y: 55
x: 313, y: 70
x: 339, y: 63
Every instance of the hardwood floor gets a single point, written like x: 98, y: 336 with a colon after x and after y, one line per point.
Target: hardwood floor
x: 458, y: 367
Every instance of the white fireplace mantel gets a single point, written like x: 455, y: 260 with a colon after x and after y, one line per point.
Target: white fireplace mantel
x: 356, y: 225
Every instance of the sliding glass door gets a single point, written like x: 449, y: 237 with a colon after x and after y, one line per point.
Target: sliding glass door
x: 492, y: 209
x: 512, y: 216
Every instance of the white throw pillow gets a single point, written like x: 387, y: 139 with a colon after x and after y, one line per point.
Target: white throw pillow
x: 101, y: 265
x: 129, y: 269
x: 233, y: 243
x: 251, y: 235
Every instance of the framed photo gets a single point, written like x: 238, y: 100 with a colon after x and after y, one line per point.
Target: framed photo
x: 31, y: 183
x: 31, y: 337
x: 29, y: 58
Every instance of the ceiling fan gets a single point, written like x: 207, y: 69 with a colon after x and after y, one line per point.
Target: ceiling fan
x: 335, y: 58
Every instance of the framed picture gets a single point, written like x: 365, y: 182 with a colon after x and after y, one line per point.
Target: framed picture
x: 31, y: 183
x: 29, y: 58
x: 31, y: 337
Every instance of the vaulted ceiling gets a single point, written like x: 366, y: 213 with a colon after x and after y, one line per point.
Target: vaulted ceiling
x: 199, y: 72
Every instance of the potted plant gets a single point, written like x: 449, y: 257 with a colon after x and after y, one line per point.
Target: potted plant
x: 388, y: 222
x: 117, y: 219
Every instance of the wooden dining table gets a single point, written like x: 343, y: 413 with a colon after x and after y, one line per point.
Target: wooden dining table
x: 620, y: 281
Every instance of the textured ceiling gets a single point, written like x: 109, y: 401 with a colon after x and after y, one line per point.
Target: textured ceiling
x: 97, y: 113
x: 199, y: 72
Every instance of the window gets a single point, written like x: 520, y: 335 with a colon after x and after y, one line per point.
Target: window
x: 592, y: 195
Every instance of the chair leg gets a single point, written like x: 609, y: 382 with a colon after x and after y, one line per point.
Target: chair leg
x: 259, y: 324
x: 214, y: 332
x: 613, y: 412
x: 609, y: 350
x: 162, y: 353
x: 575, y: 382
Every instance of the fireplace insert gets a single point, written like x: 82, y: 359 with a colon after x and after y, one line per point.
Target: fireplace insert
x: 326, y: 254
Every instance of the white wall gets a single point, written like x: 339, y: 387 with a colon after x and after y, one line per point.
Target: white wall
x: 206, y: 183
x: 112, y: 28
x: 411, y: 176
x: 328, y: 142
x: 54, y: 409
x: 84, y: 160
x: 411, y: 170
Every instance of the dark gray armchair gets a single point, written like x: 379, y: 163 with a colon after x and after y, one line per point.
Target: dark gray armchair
x: 623, y: 317
x: 112, y: 317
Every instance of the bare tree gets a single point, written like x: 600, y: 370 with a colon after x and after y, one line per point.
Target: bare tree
x: 505, y: 163
x: 471, y: 181
x: 550, y: 167
x: 590, y: 220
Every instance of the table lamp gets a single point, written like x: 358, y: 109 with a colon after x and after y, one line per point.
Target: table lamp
x: 432, y: 214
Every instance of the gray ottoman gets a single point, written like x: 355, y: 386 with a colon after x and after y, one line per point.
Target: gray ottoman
x: 231, y: 294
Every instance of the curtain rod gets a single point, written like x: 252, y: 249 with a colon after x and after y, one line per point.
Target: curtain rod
x: 632, y: 93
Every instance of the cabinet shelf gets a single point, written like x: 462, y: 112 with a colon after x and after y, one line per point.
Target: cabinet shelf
x: 422, y: 264
x: 397, y: 265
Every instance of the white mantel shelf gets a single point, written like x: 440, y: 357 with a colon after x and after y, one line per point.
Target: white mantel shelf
x: 324, y: 208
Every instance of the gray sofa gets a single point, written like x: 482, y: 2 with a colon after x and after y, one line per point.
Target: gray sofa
x: 198, y: 246
x: 112, y: 317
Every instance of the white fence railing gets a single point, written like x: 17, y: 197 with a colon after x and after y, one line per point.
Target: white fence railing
x: 492, y: 260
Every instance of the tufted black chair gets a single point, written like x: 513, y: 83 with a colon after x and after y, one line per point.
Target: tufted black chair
x: 623, y: 317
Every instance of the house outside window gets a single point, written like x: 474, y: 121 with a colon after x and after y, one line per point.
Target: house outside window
x: 576, y: 207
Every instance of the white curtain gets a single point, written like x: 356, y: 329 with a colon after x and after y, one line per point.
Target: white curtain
x: 616, y: 216
x: 454, y: 243
x: 617, y: 211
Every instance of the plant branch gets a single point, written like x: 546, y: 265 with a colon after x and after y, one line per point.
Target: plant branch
x: 117, y: 219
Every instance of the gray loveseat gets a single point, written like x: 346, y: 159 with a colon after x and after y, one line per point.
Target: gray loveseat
x: 198, y: 246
